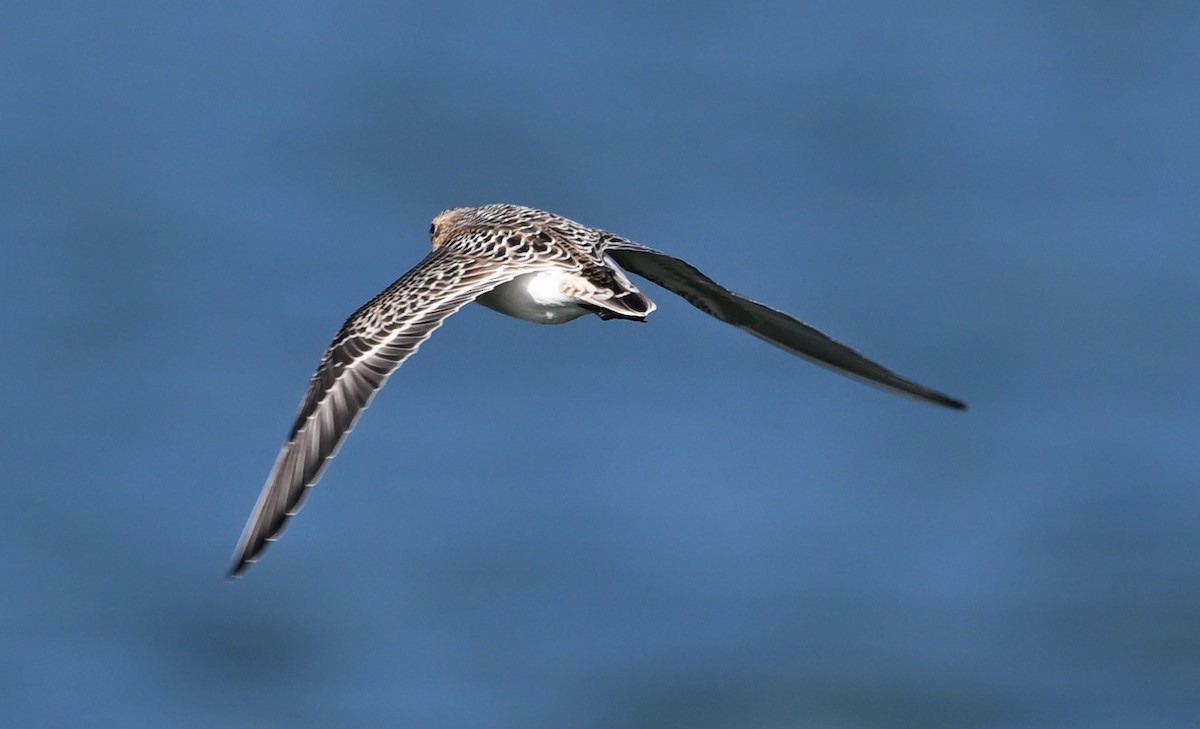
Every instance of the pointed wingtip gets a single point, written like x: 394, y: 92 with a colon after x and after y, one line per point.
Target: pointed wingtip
x: 237, y: 568
x: 950, y: 402
x: 926, y: 394
x: 243, y: 557
x: 245, y: 554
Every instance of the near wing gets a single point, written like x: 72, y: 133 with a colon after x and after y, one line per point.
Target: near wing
x: 762, y: 321
x: 373, y: 342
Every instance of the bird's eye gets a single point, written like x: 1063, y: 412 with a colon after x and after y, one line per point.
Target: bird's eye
x: 432, y: 229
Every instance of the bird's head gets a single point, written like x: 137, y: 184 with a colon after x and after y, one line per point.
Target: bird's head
x: 453, y: 222
x: 446, y: 224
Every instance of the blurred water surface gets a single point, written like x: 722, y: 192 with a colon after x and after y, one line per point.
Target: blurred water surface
x: 605, y: 524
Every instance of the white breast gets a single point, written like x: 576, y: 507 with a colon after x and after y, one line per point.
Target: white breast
x: 536, y: 297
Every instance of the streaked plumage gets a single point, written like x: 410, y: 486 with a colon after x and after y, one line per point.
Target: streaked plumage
x: 529, y: 264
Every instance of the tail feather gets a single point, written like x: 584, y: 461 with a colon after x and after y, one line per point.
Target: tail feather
x: 614, y: 296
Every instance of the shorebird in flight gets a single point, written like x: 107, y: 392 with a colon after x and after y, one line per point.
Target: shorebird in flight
x: 529, y: 264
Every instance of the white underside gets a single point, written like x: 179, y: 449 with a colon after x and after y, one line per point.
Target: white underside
x: 535, y: 297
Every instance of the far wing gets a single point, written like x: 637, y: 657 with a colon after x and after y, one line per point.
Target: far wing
x: 762, y: 321
x: 373, y: 342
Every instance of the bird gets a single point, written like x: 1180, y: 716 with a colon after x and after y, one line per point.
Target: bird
x: 529, y: 264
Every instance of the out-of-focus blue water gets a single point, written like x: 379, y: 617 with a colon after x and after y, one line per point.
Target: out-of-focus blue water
x: 605, y: 524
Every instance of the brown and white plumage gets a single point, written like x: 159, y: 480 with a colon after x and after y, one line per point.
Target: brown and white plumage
x: 529, y: 264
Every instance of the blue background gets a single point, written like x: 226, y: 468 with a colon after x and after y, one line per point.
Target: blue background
x: 605, y: 524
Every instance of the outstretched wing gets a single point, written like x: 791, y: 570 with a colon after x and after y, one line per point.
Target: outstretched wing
x: 762, y: 321
x: 373, y: 342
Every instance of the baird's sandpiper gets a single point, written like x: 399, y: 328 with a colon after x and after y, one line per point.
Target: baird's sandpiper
x: 529, y: 264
